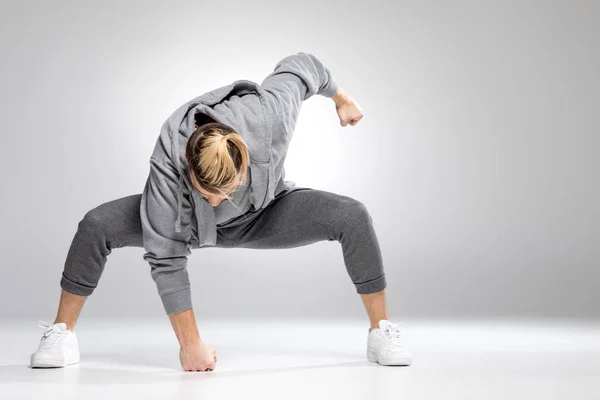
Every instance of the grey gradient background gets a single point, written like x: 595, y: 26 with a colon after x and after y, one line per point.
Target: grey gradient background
x: 477, y: 155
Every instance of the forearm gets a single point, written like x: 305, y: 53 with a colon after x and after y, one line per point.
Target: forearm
x: 340, y: 97
x: 184, y: 325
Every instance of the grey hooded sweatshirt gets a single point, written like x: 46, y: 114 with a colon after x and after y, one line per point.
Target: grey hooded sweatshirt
x: 265, y: 115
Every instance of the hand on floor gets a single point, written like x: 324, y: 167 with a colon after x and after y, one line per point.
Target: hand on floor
x: 198, y: 357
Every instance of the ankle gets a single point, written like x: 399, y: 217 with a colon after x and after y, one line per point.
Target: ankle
x: 70, y: 326
x: 375, y: 321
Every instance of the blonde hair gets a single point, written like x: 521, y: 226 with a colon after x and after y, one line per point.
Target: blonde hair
x: 216, y: 154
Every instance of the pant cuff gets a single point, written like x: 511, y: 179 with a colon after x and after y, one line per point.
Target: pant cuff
x: 372, y: 286
x: 74, y: 287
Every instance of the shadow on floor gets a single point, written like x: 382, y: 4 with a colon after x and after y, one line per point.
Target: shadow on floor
x: 140, y: 366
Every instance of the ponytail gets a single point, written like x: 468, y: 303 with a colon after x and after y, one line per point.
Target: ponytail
x: 216, y: 154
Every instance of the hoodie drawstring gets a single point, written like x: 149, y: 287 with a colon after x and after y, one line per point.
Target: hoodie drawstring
x: 175, y: 139
x: 179, y: 201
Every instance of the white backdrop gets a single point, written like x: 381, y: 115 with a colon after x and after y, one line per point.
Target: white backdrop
x: 477, y: 155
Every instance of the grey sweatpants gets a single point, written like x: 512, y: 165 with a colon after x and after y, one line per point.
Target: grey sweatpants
x: 292, y: 219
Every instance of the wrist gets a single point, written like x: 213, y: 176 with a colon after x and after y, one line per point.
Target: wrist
x: 189, y: 339
x: 189, y: 344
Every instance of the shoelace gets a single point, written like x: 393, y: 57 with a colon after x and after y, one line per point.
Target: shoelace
x: 52, y: 336
x: 391, y: 334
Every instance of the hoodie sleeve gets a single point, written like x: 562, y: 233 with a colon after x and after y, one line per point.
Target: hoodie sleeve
x: 294, y: 79
x: 166, y: 250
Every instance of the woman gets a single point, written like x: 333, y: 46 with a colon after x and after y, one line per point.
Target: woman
x: 217, y: 179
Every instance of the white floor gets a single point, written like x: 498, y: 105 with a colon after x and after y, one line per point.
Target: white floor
x: 484, y: 359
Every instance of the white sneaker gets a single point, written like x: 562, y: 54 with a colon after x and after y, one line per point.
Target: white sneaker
x: 384, y: 347
x: 58, y: 347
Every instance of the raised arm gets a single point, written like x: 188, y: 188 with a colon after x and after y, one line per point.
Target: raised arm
x: 296, y: 78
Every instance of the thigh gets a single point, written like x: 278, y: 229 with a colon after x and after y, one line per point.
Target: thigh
x: 118, y: 221
x: 297, y: 219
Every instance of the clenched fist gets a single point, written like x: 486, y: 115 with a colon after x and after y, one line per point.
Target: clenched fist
x: 347, y: 108
x: 198, y: 357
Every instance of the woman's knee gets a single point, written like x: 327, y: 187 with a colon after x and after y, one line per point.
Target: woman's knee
x: 93, y: 223
x: 115, y: 223
x: 352, y: 212
x: 344, y: 214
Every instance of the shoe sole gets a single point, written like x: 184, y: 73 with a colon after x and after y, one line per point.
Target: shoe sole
x: 372, y: 356
x: 51, y: 362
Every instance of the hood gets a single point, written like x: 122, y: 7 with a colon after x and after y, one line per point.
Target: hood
x: 243, y: 106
